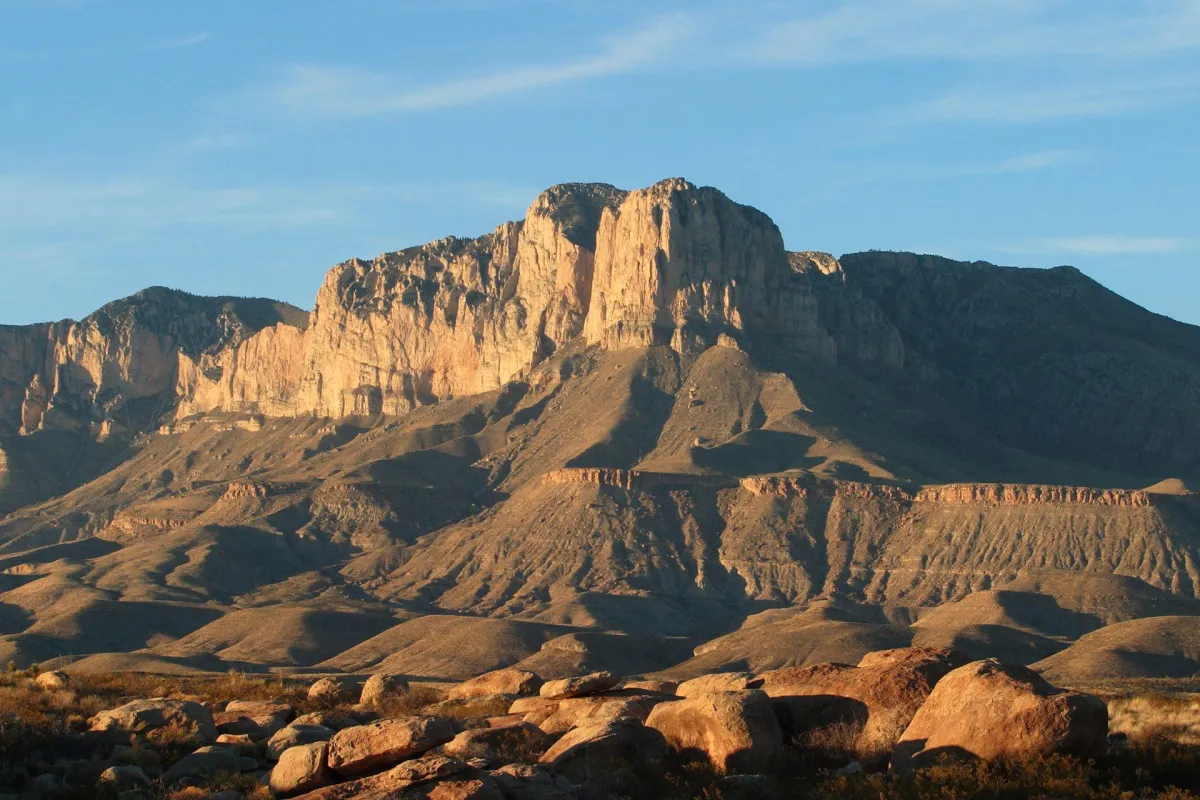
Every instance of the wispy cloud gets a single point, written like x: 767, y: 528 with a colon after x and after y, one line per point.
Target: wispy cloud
x: 973, y: 30
x: 181, y: 42
x: 30, y: 203
x: 1102, y: 245
x: 1101, y: 99
x: 312, y: 90
x: 1028, y: 162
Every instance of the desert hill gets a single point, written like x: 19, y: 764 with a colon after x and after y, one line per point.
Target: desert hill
x: 629, y: 432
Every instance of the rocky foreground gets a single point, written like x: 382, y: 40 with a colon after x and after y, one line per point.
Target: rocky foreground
x: 509, y: 735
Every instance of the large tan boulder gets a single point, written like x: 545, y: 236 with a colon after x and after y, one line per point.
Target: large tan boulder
x: 602, y: 750
x: 301, y: 769
x: 364, y: 748
x: 201, y: 763
x: 737, y: 730
x: 499, y: 745
x: 143, y: 716
x: 331, y: 691
x: 991, y: 711
x: 878, y: 697
x: 482, y: 787
x: 718, y: 682
x: 380, y: 687
x: 518, y: 682
x: 295, y: 735
x: 417, y: 772
x: 53, y: 680
x: 579, y: 686
x: 575, y: 710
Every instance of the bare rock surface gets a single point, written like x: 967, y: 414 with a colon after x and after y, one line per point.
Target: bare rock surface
x: 991, y: 711
x: 736, y: 730
x: 600, y: 749
x: 502, y: 681
x: 579, y: 686
x: 881, y: 695
x: 364, y: 748
x: 142, y: 716
x: 301, y: 768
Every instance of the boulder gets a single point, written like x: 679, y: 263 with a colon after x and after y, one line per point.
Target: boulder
x: 268, y: 716
x: 330, y: 691
x: 653, y: 687
x: 295, y: 735
x: 991, y: 711
x: 391, y: 784
x: 526, y: 782
x: 143, y: 716
x: 579, y: 686
x: 125, y: 776
x: 502, y: 681
x: 718, y: 682
x: 234, y: 723
x: 53, y: 680
x: 203, y: 762
x: 380, y: 687
x: 239, y: 739
x: 364, y: 748
x: 327, y: 719
x: 483, y: 787
x: 736, y: 730
x: 878, y: 697
x: 573, y: 711
x: 604, y: 751
x: 301, y: 769
x: 499, y: 745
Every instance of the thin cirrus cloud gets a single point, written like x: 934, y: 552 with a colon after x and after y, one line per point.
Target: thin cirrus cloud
x: 974, y: 30
x: 314, y: 90
x: 1102, y: 245
x: 1101, y: 99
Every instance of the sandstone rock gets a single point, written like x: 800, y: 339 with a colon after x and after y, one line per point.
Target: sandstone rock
x: 736, y: 730
x: 143, y: 716
x: 330, y: 691
x: 718, y: 682
x: 499, y: 745
x: 991, y: 710
x: 578, y: 686
x: 391, y: 784
x: 525, y: 782
x: 237, y: 724
x: 482, y: 788
x: 301, y: 769
x: 507, y: 719
x: 654, y: 687
x: 498, y: 682
x: 880, y: 695
x: 125, y: 776
x: 604, y: 750
x: 366, y: 747
x: 572, y: 711
x: 326, y: 719
x: 235, y: 739
x: 54, y: 679
x: 202, y: 762
x: 297, y: 734
x: 380, y: 687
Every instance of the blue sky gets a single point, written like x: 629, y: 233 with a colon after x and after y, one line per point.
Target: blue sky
x: 244, y: 146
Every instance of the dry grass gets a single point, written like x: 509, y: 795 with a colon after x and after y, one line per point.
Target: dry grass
x: 1156, y: 716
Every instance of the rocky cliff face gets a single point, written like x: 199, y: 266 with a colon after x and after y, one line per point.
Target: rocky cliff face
x: 117, y: 368
x: 1042, y: 359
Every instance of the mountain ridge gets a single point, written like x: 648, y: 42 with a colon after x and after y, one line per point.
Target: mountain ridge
x: 631, y: 414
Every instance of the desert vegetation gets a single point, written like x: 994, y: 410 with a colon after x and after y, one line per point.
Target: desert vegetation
x: 585, y: 737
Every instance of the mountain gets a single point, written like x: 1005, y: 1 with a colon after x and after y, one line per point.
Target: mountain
x: 630, y: 431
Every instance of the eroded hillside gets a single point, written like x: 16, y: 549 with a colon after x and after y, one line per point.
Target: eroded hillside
x: 629, y: 427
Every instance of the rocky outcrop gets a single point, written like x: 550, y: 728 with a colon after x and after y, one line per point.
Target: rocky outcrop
x: 993, y: 711
x: 996, y: 494
x: 735, y: 730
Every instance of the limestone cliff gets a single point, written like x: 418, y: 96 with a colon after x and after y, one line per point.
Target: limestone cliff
x: 117, y: 368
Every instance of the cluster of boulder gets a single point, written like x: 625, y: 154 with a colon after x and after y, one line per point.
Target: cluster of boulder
x: 897, y: 708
